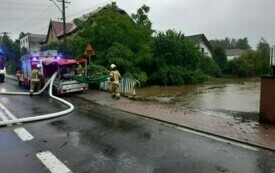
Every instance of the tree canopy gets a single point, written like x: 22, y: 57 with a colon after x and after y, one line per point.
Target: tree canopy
x: 227, y: 43
x: 165, y: 57
x: 11, y: 52
x: 220, y: 58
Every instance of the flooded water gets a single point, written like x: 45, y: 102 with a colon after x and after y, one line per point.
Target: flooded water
x: 238, y: 98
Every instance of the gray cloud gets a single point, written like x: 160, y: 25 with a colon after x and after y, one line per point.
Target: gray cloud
x: 215, y: 18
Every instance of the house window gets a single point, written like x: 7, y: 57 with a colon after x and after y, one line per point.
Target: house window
x: 202, y: 50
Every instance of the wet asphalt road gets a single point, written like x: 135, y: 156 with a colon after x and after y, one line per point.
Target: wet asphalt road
x: 98, y: 139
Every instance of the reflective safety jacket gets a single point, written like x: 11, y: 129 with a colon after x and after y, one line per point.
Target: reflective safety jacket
x: 35, y: 75
x: 79, y: 70
x: 115, y: 76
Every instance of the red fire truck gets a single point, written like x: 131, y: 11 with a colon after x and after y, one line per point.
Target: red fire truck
x: 63, y: 83
x: 26, y: 64
x: 66, y: 68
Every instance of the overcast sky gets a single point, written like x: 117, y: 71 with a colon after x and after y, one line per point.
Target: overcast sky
x: 217, y: 19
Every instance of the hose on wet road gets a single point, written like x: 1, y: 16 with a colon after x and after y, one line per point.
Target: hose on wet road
x: 39, y: 117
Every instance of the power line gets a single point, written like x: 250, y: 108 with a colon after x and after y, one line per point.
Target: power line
x: 50, y: 8
x: 44, y: 28
x: 4, y: 2
x: 40, y: 29
x: 64, y: 21
x: 5, y: 33
x: 32, y: 19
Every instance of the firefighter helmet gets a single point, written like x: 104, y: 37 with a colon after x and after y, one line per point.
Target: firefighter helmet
x: 38, y: 66
x: 113, y: 66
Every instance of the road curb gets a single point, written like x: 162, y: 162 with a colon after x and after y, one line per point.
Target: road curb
x: 10, y: 77
x: 187, y: 127
x: 179, y: 125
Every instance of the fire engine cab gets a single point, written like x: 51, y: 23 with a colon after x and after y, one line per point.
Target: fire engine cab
x: 66, y: 68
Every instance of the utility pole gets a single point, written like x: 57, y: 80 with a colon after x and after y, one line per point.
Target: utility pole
x: 272, y: 60
x: 64, y: 27
x: 64, y: 22
x: 5, y: 33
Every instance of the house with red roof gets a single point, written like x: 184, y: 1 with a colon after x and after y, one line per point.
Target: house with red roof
x: 55, y: 30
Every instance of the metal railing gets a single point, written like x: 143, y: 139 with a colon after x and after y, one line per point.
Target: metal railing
x: 127, y: 86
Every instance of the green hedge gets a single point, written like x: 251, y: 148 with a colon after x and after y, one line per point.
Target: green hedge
x: 177, y: 75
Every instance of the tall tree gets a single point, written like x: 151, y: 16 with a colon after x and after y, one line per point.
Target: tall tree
x: 141, y: 17
x: 116, y: 38
x: 172, y: 48
x: 220, y: 58
x: 11, y: 52
x: 227, y: 43
x: 263, y: 49
x: 21, y: 35
x: 242, y: 43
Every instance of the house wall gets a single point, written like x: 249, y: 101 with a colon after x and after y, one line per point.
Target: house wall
x: 30, y: 43
x: 52, y: 38
x: 232, y: 57
x: 34, y: 47
x: 24, y: 42
x: 205, y: 49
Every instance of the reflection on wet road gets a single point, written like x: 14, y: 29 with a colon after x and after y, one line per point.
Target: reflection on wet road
x: 100, y: 139
x: 115, y: 141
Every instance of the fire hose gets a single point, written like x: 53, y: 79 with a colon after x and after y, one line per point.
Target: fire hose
x: 40, y: 117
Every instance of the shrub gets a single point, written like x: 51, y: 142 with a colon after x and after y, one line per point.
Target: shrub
x: 177, y: 75
x: 96, y: 71
x: 209, y: 67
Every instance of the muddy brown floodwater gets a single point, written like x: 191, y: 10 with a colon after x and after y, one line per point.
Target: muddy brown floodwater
x: 237, y: 98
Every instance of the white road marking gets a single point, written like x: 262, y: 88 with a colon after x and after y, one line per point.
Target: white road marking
x: 2, y: 116
x: 7, y: 112
x: 23, y: 134
x: 52, y: 163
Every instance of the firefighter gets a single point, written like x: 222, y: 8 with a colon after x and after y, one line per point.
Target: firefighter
x: 114, y: 80
x: 35, y: 80
x: 79, y: 69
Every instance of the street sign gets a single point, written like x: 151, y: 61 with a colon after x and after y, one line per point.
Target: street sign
x: 89, y: 50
